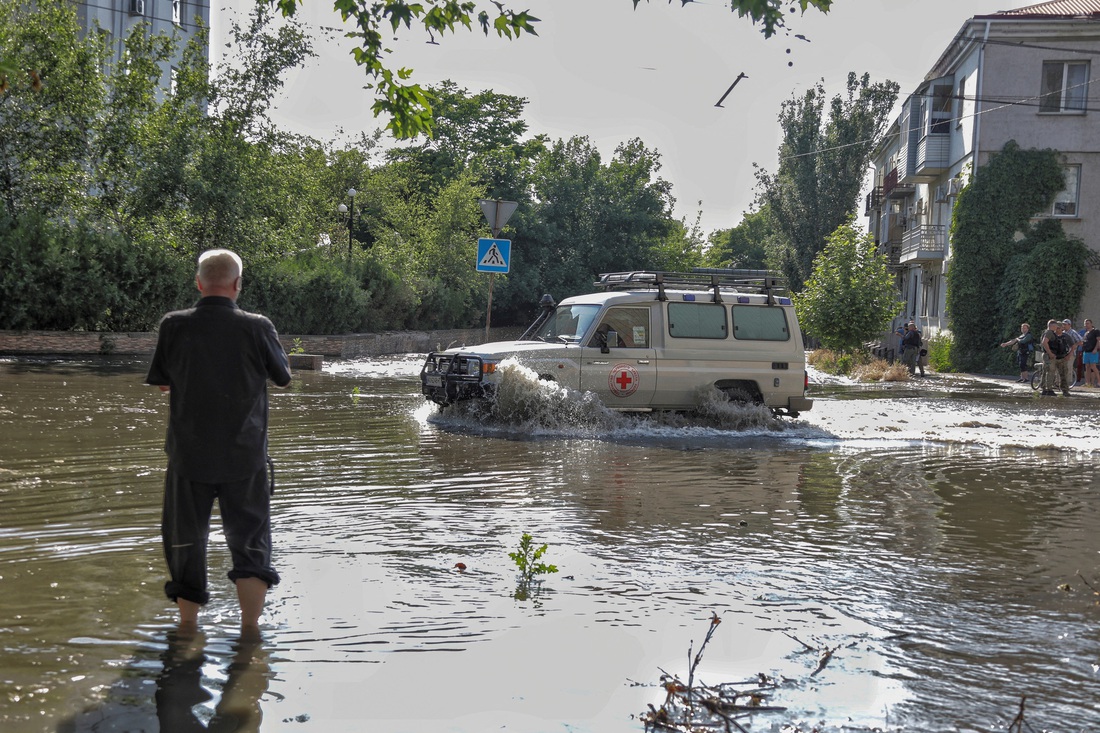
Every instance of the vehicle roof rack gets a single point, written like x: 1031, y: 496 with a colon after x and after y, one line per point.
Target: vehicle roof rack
x: 700, y: 278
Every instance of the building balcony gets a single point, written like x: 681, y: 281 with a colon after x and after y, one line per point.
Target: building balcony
x: 933, y: 157
x: 892, y: 189
x: 924, y: 244
x: 874, y: 200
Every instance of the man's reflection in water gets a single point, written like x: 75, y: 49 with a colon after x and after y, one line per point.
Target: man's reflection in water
x: 180, y: 690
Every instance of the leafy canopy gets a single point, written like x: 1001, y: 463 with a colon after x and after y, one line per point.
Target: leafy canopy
x: 822, y: 159
x: 851, y: 296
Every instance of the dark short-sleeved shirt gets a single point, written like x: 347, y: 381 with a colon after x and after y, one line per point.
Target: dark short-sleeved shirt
x: 1090, y: 339
x: 216, y: 360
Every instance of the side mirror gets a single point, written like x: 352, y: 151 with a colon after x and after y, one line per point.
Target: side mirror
x: 612, y: 337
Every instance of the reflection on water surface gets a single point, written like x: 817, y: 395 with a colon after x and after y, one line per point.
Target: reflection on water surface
x: 943, y: 568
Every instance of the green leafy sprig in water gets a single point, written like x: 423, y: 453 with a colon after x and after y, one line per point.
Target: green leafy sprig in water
x: 527, y: 559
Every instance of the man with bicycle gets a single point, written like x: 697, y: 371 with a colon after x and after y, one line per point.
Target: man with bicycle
x: 1058, y: 357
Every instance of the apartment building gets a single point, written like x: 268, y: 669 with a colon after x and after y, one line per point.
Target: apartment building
x: 115, y: 19
x: 1023, y: 75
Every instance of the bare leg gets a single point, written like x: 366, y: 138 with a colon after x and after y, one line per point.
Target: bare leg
x: 189, y: 614
x: 251, y: 593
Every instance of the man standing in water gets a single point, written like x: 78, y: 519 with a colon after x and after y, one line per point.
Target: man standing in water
x: 214, y: 360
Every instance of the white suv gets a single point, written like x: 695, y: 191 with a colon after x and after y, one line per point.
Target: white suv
x: 650, y: 341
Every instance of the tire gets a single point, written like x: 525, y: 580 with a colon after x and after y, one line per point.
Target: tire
x: 1037, y: 378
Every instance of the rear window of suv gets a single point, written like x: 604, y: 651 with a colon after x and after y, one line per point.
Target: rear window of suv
x: 760, y: 323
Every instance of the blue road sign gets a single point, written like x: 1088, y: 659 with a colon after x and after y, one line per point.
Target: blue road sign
x: 494, y: 255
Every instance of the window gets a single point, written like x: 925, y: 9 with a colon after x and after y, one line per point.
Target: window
x: 697, y: 320
x: 568, y: 323
x: 176, y: 11
x: 1064, y: 86
x: 172, y: 81
x: 760, y: 323
x: 631, y: 326
x: 1065, y: 203
x: 940, y: 117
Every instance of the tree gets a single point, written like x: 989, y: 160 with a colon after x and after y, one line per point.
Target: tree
x: 408, y: 106
x: 822, y: 160
x: 851, y: 296
x: 746, y: 246
x: 45, y: 133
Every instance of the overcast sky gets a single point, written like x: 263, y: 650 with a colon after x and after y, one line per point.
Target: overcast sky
x: 601, y: 69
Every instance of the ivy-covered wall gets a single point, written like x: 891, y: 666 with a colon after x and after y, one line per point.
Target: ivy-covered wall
x: 1005, y: 270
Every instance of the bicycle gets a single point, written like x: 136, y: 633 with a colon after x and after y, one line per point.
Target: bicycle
x: 1037, y: 376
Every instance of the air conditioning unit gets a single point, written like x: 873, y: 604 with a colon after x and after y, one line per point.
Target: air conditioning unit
x: 137, y: 7
x: 954, y: 186
x: 941, y: 193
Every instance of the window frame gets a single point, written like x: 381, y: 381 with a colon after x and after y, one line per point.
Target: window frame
x: 786, y: 330
x: 696, y: 305
x: 1062, y: 94
x: 1067, y: 170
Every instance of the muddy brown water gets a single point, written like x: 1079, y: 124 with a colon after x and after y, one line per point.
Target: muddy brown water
x: 951, y: 569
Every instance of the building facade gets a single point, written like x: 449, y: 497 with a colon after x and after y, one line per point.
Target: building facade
x: 1023, y: 75
x: 114, y: 19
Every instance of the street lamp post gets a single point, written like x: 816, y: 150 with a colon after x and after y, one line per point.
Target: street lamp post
x: 343, y: 209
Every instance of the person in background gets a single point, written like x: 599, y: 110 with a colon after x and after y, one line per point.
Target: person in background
x: 1090, y: 354
x: 899, y: 333
x: 911, y: 345
x: 215, y: 360
x: 1075, y: 338
x: 1024, y: 344
x: 1058, y: 358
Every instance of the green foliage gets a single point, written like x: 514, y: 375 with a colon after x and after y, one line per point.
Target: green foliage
x: 44, y: 128
x: 851, y: 296
x: 940, y: 349
x: 1045, y: 279
x: 746, y: 246
x: 822, y: 160
x: 1038, y: 276
x: 527, y: 557
x: 69, y: 276
x: 308, y: 294
x: 111, y: 188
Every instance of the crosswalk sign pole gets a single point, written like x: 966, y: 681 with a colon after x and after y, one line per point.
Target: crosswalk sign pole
x: 489, y: 308
x: 497, y: 213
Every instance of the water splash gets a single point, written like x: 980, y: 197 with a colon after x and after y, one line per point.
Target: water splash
x: 537, y: 406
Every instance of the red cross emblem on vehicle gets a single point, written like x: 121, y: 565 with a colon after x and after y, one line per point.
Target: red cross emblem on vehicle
x: 623, y: 380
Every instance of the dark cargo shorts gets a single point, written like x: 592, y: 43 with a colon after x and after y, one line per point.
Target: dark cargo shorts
x: 245, y: 508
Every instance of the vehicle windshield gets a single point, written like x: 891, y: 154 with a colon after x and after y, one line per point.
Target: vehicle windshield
x: 568, y: 323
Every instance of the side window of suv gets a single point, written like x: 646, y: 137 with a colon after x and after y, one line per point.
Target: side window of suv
x: 760, y: 323
x: 697, y: 320
x: 630, y: 324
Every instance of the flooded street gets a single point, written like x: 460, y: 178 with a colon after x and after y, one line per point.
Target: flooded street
x: 939, y: 538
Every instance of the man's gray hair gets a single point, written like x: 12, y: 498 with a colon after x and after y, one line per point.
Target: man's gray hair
x: 219, y: 267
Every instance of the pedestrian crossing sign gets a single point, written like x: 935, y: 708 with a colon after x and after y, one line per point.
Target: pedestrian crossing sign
x: 493, y: 255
